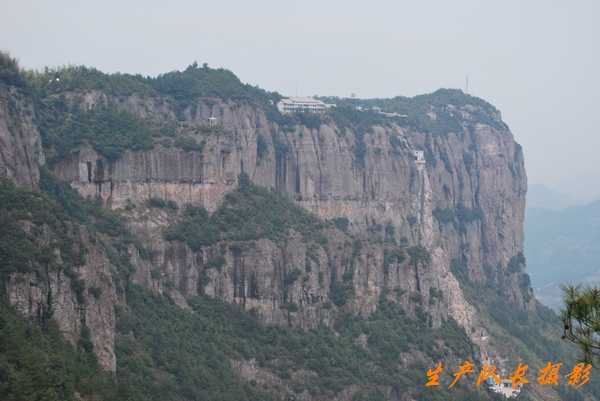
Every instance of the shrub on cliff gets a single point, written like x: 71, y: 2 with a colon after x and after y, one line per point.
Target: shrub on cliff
x: 341, y: 223
x: 157, y: 202
x: 291, y: 277
x: 189, y: 144
x: 418, y: 254
x: 261, y: 146
x: 340, y: 293
x: 10, y: 73
x: 443, y: 216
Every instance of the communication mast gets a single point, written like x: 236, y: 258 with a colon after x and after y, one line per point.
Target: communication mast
x: 467, y: 88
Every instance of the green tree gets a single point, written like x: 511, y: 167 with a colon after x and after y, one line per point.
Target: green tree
x: 581, y: 317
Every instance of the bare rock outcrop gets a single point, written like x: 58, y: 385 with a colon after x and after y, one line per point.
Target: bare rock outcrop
x: 20, y: 141
x: 51, y: 294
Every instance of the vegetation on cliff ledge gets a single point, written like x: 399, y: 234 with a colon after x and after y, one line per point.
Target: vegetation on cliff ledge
x: 249, y: 213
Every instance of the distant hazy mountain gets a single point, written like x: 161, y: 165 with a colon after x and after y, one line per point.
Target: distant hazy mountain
x: 540, y: 196
x: 585, y: 185
x: 562, y: 246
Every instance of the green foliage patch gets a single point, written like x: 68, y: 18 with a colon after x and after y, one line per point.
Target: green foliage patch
x: 443, y: 216
x: 468, y: 160
x: 359, y: 123
x: 249, y: 213
x: 176, y: 355
x: 23, y: 251
x: 192, y: 361
x: 340, y: 293
x: 38, y: 364
x: 467, y: 215
x: 341, y: 223
x: 10, y: 73
x: 203, y: 82
x: 458, y: 267
x: 35, y: 361
x: 109, y: 130
x: 85, y: 79
x: 291, y: 277
x: 397, y: 256
x: 418, y: 254
x: 463, y: 214
x: 443, y: 103
x: 261, y: 146
x: 189, y: 144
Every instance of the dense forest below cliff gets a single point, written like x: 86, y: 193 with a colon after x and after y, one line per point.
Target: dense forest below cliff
x: 256, y: 293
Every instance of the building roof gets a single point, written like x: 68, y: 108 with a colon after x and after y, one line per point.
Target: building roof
x: 293, y: 100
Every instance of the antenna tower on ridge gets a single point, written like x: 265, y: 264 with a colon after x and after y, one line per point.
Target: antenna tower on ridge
x: 467, y: 88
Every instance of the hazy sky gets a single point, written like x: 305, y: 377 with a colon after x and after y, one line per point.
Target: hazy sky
x: 537, y: 61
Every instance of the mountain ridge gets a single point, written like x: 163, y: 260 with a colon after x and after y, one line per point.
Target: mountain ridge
x: 410, y: 245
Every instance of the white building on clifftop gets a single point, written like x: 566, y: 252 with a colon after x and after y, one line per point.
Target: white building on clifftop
x: 309, y: 104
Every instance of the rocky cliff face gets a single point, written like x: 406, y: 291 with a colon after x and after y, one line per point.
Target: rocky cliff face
x: 474, y: 177
x: 480, y: 168
x: 20, y: 142
x: 319, y: 171
x: 51, y: 294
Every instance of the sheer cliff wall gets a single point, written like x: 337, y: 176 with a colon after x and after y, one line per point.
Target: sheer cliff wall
x: 478, y: 168
x: 20, y: 142
x: 474, y: 177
